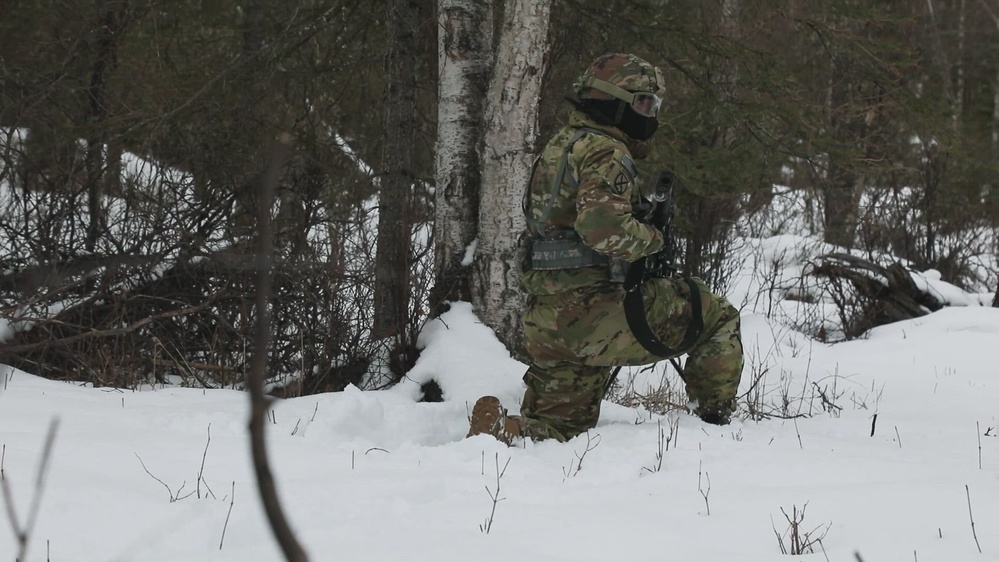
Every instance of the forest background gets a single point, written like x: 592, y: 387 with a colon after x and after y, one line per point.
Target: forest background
x: 390, y: 141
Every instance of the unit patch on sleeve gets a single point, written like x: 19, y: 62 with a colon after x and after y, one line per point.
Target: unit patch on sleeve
x: 621, y: 182
x: 623, y: 173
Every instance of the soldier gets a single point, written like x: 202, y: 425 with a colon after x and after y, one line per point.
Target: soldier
x: 588, y: 217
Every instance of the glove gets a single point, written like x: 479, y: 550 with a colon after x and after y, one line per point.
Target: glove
x: 720, y: 414
x: 662, y: 216
x: 714, y: 418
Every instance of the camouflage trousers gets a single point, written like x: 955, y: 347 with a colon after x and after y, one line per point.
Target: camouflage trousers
x: 575, y: 337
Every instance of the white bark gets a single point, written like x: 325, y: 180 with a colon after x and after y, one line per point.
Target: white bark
x: 508, y: 150
x: 465, y: 60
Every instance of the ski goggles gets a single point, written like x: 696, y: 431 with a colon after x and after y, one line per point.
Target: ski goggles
x: 645, y: 104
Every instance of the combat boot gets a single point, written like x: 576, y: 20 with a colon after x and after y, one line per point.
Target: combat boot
x: 489, y: 417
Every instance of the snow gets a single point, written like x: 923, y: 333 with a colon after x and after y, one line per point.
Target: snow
x: 378, y: 476
x: 891, y: 441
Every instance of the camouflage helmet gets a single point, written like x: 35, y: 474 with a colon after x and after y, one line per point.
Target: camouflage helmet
x: 621, y: 76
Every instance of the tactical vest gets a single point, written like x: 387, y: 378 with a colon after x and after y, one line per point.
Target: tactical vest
x: 563, y: 248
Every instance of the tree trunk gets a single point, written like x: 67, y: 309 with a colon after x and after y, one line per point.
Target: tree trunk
x: 464, y: 42
x: 240, y: 171
x: 839, y: 199
x: 105, y: 52
x: 843, y: 182
x: 509, y: 147
x: 991, y: 186
x: 941, y: 59
x: 991, y: 191
x: 395, y: 212
x: 959, y: 86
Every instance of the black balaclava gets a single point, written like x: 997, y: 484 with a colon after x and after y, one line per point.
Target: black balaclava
x: 637, y: 126
x: 620, y: 114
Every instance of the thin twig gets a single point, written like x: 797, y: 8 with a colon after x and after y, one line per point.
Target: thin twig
x: 780, y: 539
x: 232, y: 499
x: 662, y: 446
x: 11, y: 511
x: 174, y: 497
x: 201, y: 471
x: 704, y: 493
x: 23, y: 534
x: 972, y: 517
x: 591, y: 443
x: 487, y: 526
x: 978, y: 431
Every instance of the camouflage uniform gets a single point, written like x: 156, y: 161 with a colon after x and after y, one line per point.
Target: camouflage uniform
x: 575, y: 325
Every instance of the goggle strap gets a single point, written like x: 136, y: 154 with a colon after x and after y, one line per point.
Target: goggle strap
x: 609, y: 89
x: 616, y: 91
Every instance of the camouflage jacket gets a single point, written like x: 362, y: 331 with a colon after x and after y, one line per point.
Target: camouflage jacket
x: 600, y: 211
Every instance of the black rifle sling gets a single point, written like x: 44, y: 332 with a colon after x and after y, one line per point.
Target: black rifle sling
x: 634, y: 313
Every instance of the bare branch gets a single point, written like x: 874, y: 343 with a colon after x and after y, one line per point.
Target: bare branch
x: 290, y: 546
x: 23, y: 534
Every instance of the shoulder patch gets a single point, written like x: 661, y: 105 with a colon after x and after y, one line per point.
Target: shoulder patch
x: 623, y: 173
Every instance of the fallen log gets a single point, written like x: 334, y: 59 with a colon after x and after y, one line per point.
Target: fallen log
x: 870, y: 295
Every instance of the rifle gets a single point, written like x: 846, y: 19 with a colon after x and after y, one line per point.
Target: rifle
x: 660, y: 264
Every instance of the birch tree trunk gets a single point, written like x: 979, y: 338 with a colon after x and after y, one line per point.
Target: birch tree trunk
x: 464, y: 44
x: 508, y: 150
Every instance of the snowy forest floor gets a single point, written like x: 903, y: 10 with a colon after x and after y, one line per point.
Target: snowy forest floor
x: 888, y: 445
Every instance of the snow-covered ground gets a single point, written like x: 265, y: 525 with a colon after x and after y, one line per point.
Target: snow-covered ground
x: 889, y: 444
x: 165, y: 475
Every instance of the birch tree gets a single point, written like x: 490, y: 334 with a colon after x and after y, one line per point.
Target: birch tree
x: 509, y: 147
x: 465, y: 37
